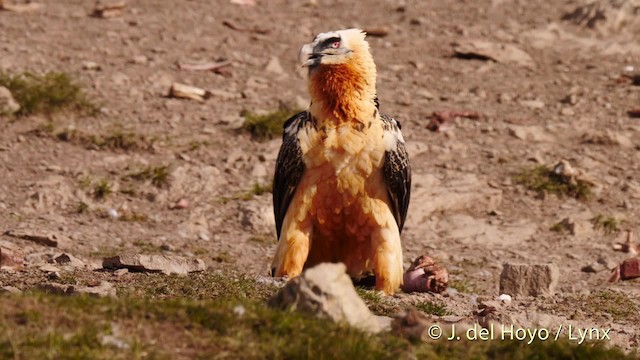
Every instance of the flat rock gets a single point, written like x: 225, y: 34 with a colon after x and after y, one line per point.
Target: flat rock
x: 529, y: 280
x: 167, y: 264
x: 104, y: 289
x: 68, y: 259
x: 499, y: 52
x: 11, y: 256
x: 41, y: 237
x: 530, y: 133
x: 326, y: 291
x: 10, y: 290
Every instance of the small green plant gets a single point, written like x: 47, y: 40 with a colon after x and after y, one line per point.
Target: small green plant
x: 541, y: 179
x: 158, y: 175
x: 85, y: 182
x: 263, y: 239
x: 608, y: 224
x: 267, y: 126
x: 114, y: 140
x: 559, y: 227
x: 82, y: 207
x: 256, y: 190
x: 259, y: 189
x: 615, y: 303
x: 462, y: 285
x: 433, y: 308
x: 133, y: 216
x: 46, y: 94
x: 102, y: 189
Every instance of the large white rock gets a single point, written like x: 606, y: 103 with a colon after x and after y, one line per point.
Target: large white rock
x: 326, y: 291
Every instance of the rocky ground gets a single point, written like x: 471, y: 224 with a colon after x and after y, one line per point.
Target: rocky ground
x: 490, y: 96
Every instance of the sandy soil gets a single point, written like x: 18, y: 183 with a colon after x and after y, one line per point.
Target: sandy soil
x: 569, y: 100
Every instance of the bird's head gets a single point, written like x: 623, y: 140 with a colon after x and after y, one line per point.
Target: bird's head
x: 334, y: 48
x: 342, y: 74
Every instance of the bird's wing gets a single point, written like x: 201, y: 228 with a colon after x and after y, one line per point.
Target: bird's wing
x: 396, y: 169
x: 289, y: 167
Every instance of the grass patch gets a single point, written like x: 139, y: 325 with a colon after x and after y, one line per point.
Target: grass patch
x: 608, y: 224
x: 617, y: 304
x: 115, y: 140
x: 133, y: 216
x: 543, y: 180
x: 82, y: 207
x: 433, y: 307
x: 256, y: 190
x: 157, y: 175
x: 40, y: 326
x: 559, y: 227
x: 46, y: 93
x: 263, y: 239
x: 171, y: 316
x: 102, y: 189
x: 378, y: 304
x: 462, y: 285
x: 267, y: 126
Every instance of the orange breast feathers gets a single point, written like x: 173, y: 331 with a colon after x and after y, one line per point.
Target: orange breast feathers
x: 344, y: 92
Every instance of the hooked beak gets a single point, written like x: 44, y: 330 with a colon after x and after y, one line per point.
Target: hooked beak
x: 308, y: 57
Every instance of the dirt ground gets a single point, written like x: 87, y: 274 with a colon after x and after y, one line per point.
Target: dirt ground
x: 569, y: 100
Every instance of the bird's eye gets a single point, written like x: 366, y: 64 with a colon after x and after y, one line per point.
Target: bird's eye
x: 335, y: 44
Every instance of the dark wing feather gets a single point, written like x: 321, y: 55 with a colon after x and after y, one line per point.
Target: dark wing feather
x: 397, y: 172
x: 289, y: 167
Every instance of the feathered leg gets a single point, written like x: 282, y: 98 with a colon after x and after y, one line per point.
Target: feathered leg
x: 293, y: 248
x: 387, y: 258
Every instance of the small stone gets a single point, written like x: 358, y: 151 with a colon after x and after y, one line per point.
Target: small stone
x: 104, y: 289
x: 167, y: 247
x: 113, y: 213
x: 180, y: 204
x: 630, y: 269
x: 113, y: 341
x: 90, y: 65
x: 121, y: 272
x: 11, y: 257
x: 48, y: 268
x: 239, y: 310
x: 567, y: 111
x: 140, y: 59
x: 594, y: 267
x: 533, y: 104
x: 504, y: 298
x: 68, y: 259
x: 8, y: 105
x: 529, y: 280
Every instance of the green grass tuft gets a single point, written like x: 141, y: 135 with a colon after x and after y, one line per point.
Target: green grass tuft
x: 46, y: 94
x: 462, y: 285
x: 158, y: 175
x: 169, y: 316
x: 267, y: 126
x: 543, y: 180
x: 117, y: 139
x: 615, y: 303
x: 608, y: 224
x: 433, y: 307
x: 102, y: 189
